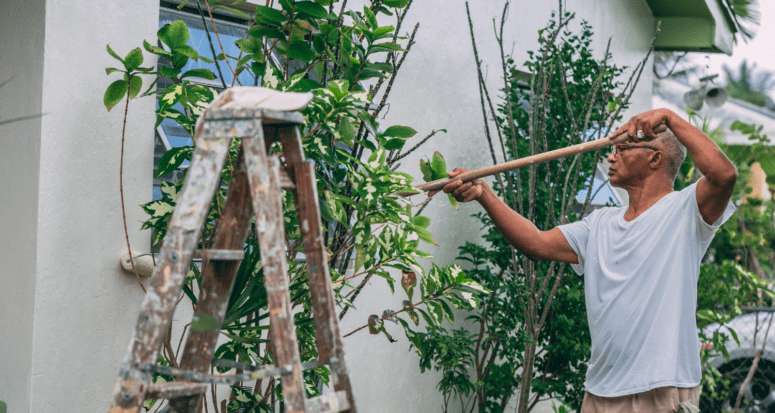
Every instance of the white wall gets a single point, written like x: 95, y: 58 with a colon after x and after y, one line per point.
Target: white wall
x: 21, y: 59
x: 67, y: 307
x: 65, y: 233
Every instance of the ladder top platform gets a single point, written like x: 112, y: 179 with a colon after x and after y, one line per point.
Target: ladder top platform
x: 270, y: 105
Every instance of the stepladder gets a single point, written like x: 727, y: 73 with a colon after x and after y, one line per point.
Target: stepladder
x: 259, y: 117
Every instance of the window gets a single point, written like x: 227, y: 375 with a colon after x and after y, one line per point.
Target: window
x: 169, y: 134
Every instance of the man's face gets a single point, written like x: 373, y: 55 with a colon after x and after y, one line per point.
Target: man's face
x: 630, y: 163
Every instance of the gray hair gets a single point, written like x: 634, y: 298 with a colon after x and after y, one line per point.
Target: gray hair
x: 675, y: 153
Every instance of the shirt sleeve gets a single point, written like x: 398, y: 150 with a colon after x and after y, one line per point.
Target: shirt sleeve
x: 705, y: 231
x: 577, y: 234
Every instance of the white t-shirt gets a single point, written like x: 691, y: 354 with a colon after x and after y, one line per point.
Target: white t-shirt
x: 640, y: 282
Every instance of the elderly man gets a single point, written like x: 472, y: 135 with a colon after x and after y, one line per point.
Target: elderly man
x: 640, y: 262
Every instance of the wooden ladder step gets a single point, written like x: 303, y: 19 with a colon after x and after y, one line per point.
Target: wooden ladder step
x: 220, y: 255
x: 173, y: 389
x: 329, y: 403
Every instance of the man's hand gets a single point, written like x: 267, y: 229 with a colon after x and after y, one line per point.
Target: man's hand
x: 643, y: 123
x: 464, y: 192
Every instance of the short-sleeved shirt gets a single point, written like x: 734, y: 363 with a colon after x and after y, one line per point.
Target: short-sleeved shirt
x: 640, y: 283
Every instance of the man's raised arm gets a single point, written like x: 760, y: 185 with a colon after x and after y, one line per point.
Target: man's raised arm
x: 519, y: 231
x: 715, y: 188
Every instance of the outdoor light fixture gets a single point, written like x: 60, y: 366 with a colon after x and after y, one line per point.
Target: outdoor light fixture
x: 713, y: 95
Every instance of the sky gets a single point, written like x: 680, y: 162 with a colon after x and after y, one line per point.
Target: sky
x: 760, y: 50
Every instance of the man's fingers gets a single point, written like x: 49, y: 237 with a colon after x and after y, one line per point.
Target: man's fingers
x: 462, y: 188
x: 451, y: 187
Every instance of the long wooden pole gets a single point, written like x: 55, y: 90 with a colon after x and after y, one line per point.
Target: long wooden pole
x: 530, y: 160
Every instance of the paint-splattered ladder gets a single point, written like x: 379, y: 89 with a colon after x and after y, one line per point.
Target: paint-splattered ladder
x: 255, y: 115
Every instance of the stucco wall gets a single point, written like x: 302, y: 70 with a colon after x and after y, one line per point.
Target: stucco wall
x: 66, y: 233
x: 21, y: 59
x: 85, y: 305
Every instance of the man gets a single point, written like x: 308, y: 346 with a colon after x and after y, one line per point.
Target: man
x: 640, y: 262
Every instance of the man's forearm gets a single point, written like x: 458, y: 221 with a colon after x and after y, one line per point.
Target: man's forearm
x: 518, y: 230
x: 709, y: 158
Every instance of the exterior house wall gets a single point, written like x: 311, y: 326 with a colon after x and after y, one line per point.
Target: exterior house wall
x: 66, y: 235
x: 21, y: 64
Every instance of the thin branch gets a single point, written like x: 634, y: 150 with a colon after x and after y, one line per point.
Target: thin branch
x: 121, y: 190
x: 212, y: 48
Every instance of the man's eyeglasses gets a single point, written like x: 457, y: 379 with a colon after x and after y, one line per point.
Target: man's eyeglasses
x: 621, y: 147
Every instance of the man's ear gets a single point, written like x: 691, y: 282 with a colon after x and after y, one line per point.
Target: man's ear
x: 657, y: 160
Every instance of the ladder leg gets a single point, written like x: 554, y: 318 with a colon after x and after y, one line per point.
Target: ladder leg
x: 264, y: 178
x: 330, y: 349
x: 169, y: 274
x: 217, y: 281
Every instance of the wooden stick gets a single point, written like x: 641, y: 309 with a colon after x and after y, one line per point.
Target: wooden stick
x: 530, y: 160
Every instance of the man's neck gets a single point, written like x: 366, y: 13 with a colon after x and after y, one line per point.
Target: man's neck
x: 645, y: 194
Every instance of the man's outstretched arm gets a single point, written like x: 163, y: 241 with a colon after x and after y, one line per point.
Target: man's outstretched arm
x: 715, y: 188
x: 519, y: 231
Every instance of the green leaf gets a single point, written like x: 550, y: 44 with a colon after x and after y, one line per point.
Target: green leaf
x: 370, y: 18
x: 114, y: 54
x: 155, y: 50
x: 361, y: 255
x: 421, y: 221
x: 425, y: 236
x: 425, y: 168
x: 312, y: 9
x: 346, y: 131
x: 114, y: 94
x: 319, y: 44
x: 447, y: 311
x: 396, y: 3
x: 385, y: 47
x: 259, y: 32
x: 187, y: 51
x: 438, y: 166
x: 133, y: 59
x: 250, y: 46
x: 453, y: 201
x: 375, y: 324
x: 383, y: 67
x: 174, y: 34
x: 172, y: 159
x: 167, y: 71
x: 135, y: 84
x: 408, y: 282
x: 299, y: 50
x: 268, y: 15
x: 109, y: 70
x: 200, y: 73
x: 394, y: 144
x: 304, y: 85
x: 396, y: 131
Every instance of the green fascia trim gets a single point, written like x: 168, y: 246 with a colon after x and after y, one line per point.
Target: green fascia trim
x: 685, y: 33
x: 680, y: 8
x: 693, y: 25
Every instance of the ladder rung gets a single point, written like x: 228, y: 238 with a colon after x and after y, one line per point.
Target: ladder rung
x: 172, y: 389
x: 220, y: 255
x: 285, y: 180
x: 330, y: 403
